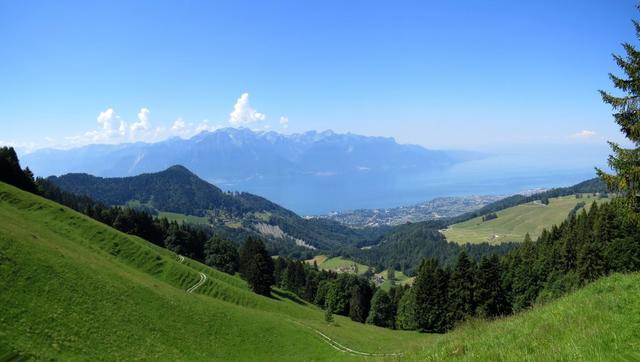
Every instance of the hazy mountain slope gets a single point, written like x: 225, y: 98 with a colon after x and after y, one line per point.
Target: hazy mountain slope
x: 234, y: 154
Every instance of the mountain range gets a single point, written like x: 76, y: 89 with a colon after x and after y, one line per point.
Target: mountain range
x: 323, y: 169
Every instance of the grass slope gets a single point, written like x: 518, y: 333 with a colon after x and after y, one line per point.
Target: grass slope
x: 598, y: 323
x: 72, y: 288
x: 173, y: 216
x: 513, y: 223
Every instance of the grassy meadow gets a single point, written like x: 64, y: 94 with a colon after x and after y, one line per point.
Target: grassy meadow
x: 515, y: 222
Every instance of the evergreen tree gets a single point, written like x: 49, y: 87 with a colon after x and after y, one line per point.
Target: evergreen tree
x: 360, y: 301
x: 256, y: 266
x: 338, y: 295
x: 625, y: 162
x: 222, y: 255
x: 381, y: 313
x: 431, y: 297
x: 328, y: 314
x: 406, y: 316
x: 490, y: 294
x: 461, y: 289
x: 11, y: 173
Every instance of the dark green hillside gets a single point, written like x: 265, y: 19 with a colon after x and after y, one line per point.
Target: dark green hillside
x: 232, y: 215
x: 175, y: 189
x: 404, y: 246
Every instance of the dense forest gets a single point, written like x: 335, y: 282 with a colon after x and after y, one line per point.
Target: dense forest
x: 175, y: 189
x: 404, y: 247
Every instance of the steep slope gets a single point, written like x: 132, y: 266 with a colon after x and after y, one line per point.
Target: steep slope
x: 598, y: 323
x: 72, y: 288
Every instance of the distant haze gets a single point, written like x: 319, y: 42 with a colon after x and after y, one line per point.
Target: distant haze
x: 318, y: 172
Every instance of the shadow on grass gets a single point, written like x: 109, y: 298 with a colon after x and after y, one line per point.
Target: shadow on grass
x: 280, y: 295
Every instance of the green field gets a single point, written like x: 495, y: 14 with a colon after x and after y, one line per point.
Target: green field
x: 337, y: 262
x: 172, y: 216
x: 334, y: 263
x: 72, y: 288
x: 515, y: 222
x: 400, y: 279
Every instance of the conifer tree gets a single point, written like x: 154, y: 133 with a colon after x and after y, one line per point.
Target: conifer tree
x: 406, y: 316
x: 256, y: 266
x: 381, y: 313
x: 490, y: 295
x: 431, y: 297
x: 625, y: 162
x: 221, y: 254
x: 461, y: 289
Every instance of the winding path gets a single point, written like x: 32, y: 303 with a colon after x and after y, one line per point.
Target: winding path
x: 203, y: 279
x: 337, y: 346
x: 333, y: 343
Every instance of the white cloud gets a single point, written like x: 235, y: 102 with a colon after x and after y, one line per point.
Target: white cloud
x: 178, y: 124
x: 284, y: 122
x: 138, y: 129
x: 243, y: 113
x: 584, y: 134
x: 205, y: 126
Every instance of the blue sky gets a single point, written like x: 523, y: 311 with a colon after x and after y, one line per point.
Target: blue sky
x: 446, y: 74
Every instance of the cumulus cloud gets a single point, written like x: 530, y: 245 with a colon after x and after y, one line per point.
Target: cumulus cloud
x: 179, y: 124
x: 284, y: 122
x: 113, y: 129
x: 243, y: 113
x: 584, y: 134
x: 142, y: 125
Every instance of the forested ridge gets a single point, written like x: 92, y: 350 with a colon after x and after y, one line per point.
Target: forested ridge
x: 175, y: 189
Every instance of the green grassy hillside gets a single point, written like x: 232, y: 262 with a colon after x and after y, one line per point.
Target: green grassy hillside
x: 515, y: 222
x: 74, y: 289
x: 598, y: 323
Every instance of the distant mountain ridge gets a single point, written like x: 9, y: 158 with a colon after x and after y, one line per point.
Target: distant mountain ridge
x: 307, y: 172
x: 232, y: 154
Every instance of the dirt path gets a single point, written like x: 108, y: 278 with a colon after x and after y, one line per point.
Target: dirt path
x: 203, y: 279
x: 337, y: 346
